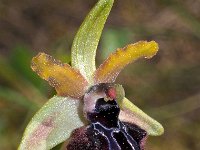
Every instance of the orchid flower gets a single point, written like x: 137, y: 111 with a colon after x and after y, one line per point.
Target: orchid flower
x: 67, y: 111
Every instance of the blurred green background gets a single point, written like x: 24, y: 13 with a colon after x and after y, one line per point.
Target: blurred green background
x: 166, y: 87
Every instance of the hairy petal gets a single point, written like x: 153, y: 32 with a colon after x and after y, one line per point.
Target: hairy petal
x: 87, y: 38
x: 132, y: 114
x: 66, y: 80
x: 109, y: 70
x: 52, y: 124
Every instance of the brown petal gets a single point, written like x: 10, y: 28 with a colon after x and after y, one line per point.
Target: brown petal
x: 66, y: 80
x: 109, y: 70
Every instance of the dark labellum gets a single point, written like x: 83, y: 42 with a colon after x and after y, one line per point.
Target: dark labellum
x: 106, y: 131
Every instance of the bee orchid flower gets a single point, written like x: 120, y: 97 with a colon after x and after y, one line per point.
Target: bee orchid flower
x: 90, y: 110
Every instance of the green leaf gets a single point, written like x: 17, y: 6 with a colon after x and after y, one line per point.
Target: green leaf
x: 87, y: 38
x: 132, y: 114
x: 52, y: 124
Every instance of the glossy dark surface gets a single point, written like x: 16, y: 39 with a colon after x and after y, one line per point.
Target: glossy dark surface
x: 106, y: 131
x: 106, y: 113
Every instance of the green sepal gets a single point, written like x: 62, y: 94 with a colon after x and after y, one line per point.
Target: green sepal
x: 52, y: 124
x: 87, y: 38
x: 132, y: 114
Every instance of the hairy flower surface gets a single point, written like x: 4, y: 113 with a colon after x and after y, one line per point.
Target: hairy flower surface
x: 85, y: 93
